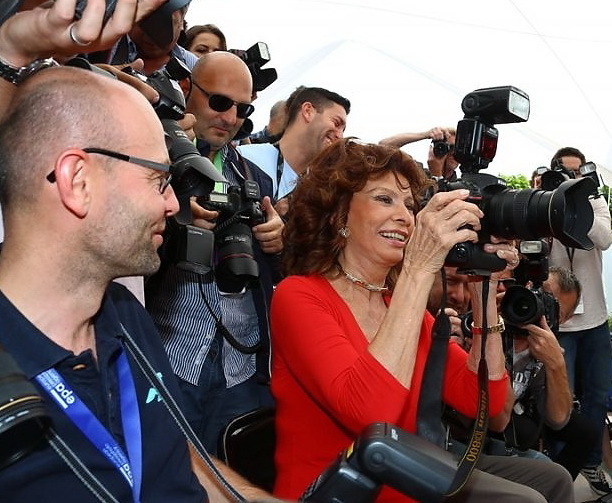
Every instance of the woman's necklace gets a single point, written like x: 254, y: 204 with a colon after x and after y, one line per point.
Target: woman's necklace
x: 363, y: 284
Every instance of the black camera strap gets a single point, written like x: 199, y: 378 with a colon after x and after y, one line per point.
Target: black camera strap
x: 176, y: 413
x: 224, y: 331
x: 481, y: 424
x: 75, y: 464
x: 429, y: 425
x: 429, y: 412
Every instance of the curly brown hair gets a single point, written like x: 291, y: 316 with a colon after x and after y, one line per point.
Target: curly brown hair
x: 321, y: 199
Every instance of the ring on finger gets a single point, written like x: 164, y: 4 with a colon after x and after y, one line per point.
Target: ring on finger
x: 75, y: 39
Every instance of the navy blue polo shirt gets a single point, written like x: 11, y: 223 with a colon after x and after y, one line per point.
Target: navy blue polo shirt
x: 43, y: 475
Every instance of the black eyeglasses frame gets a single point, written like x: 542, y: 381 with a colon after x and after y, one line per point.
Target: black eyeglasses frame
x: 164, y: 182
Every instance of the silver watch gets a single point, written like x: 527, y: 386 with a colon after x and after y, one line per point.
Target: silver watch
x: 16, y: 75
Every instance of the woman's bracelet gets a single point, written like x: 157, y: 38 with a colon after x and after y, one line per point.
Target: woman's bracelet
x: 495, y: 329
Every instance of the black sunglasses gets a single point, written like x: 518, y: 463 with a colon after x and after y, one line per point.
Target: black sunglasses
x: 220, y: 103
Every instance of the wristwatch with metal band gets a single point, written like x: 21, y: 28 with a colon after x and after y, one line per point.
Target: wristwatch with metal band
x: 16, y: 75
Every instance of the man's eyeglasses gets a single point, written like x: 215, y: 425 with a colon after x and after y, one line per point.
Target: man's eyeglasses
x: 220, y: 103
x: 164, y: 181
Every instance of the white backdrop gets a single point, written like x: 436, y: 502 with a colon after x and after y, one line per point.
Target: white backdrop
x: 406, y: 65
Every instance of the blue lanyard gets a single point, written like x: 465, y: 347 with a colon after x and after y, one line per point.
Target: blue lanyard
x: 130, y: 468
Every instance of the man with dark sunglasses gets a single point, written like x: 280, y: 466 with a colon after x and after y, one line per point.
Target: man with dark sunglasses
x: 219, y: 381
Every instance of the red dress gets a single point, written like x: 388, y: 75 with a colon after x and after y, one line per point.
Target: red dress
x: 328, y: 387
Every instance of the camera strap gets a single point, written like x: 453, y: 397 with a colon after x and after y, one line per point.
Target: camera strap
x: 570, y: 256
x: 429, y: 424
x: 176, y: 413
x: 81, y: 471
x: 479, y: 430
x: 84, y: 474
x: 224, y: 331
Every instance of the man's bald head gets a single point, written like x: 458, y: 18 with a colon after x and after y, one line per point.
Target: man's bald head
x: 221, y: 61
x: 58, y: 109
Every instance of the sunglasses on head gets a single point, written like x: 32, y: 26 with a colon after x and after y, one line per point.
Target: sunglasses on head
x: 220, y: 103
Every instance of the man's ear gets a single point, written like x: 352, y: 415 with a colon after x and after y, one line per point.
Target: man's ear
x: 308, y: 111
x: 73, y: 179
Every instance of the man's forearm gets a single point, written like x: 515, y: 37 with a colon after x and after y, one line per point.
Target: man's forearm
x: 558, y: 396
x: 399, y: 140
x: 216, y: 492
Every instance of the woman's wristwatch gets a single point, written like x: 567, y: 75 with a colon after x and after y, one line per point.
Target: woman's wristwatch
x: 17, y: 74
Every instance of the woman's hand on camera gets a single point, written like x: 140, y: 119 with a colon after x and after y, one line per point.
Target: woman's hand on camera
x: 446, y: 220
x: 505, y: 250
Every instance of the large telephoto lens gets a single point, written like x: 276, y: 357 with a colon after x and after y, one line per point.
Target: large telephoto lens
x: 236, y: 267
x: 564, y: 213
x: 23, y: 416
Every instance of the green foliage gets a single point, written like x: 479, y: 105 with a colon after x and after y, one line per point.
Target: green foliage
x: 516, y: 181
x: 605, y: 191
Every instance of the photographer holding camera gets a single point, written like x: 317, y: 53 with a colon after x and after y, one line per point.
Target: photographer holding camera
x: 585, y: 337
x: 217, y: 342
x: 543, y: 408
x: 441, y: 162
x: 539, y: 403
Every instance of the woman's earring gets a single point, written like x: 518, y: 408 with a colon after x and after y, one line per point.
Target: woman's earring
x: 344, y: 232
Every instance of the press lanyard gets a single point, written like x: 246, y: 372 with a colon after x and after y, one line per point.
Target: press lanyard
x: 61, y: 392
x: 280, y: 165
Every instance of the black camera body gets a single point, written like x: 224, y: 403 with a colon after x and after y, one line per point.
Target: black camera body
x: 442, y: 148
x: 239, y: 210
x: 522, y: 304
x: 564, y: 213
x: 255, y: 57
x: 552, y: 178
x: 191, y: 172
x: 240, y: 204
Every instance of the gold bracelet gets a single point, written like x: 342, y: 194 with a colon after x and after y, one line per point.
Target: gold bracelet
x: 495, y: 329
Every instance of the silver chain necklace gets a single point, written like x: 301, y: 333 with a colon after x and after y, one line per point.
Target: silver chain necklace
x: 363, y: 284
